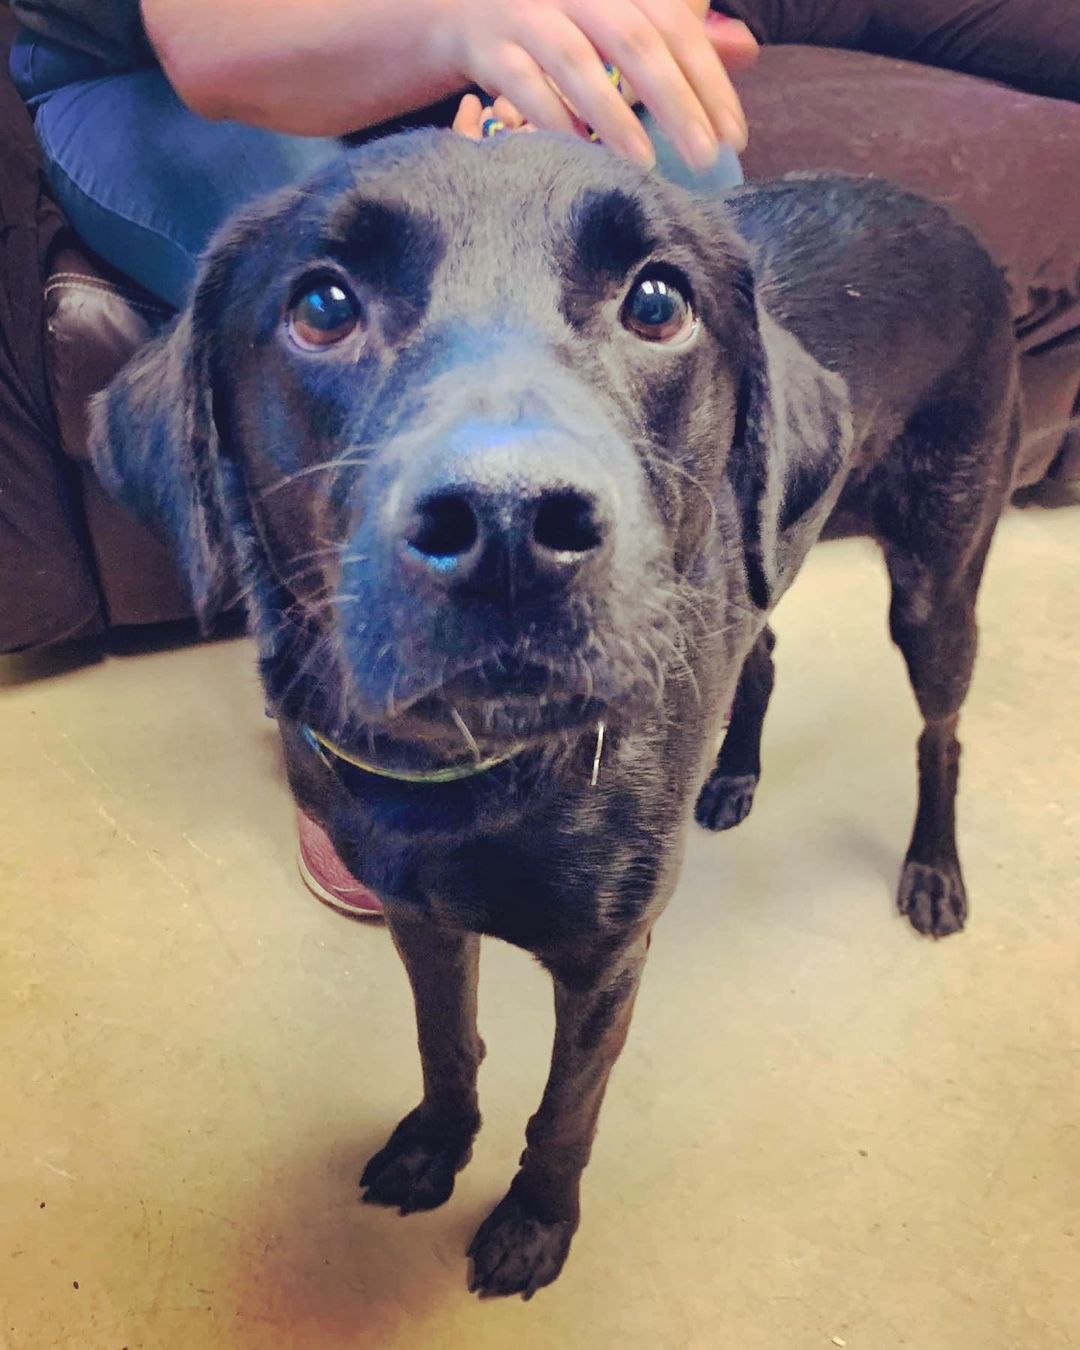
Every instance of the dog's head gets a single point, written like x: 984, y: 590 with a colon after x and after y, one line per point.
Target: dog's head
x: 475, y: 425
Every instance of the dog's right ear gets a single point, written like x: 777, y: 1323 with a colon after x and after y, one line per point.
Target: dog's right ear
x: 154, y: 445
x: 791, y: 440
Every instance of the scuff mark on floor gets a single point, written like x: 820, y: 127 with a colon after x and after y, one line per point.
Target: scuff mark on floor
x: 151, y: 856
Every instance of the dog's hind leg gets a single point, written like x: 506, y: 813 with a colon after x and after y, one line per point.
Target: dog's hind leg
x: 728, y: 793
x: 416, y: 1168
x: 932, y: 621
x: 522, y: 1244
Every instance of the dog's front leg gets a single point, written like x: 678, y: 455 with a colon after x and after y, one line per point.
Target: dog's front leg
x: 416, y: 1168
x: 728, y: 794
x: 522, y: 1244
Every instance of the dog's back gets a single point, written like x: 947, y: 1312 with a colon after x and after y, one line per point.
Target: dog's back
x: 888, y: 291
x: 871, y: 278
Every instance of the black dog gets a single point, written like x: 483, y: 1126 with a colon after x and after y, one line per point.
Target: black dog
x: 514, y: 450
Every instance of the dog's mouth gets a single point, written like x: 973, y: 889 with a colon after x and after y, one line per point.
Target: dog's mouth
x: 481, y: 717
x: 504, y: 699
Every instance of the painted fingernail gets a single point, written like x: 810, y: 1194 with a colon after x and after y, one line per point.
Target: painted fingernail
x: 734, y: 130
x: 700, y: 146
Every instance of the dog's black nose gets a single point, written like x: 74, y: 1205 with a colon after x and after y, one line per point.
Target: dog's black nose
x: 477, y: 540
x: 510, y: 518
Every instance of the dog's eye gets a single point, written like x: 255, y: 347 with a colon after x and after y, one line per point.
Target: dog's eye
x: 322, y: 316
x: 658, y: 311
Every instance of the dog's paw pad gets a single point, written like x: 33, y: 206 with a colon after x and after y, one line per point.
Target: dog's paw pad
x: 933, y: 898
x: 416, y: 1169
x: 514, y: 1252
x: 725, y: 800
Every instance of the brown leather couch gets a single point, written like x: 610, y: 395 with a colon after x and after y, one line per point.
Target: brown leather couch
x: 73, y: 565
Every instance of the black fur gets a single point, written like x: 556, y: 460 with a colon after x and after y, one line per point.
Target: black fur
x: 853, y: 360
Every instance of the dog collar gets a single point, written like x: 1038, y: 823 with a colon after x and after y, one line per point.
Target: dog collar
x: 328, y: 751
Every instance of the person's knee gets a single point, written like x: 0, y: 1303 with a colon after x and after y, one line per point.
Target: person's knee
x: 146, y: 182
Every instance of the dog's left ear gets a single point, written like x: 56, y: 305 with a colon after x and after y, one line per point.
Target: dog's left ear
x: 791, y: 439
x: 154, y: 444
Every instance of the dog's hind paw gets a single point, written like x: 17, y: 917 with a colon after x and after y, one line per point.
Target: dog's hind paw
x: 416, y: 1168
x: 725, y: 800
x: 933, y: 898
x: 514, y: 1252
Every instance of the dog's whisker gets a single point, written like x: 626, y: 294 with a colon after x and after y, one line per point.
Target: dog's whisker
x: 351, y: 460
x: 292, y: 579
x: 313, y: 655
x: 466, y: 734
x: 327, y: 604
x: 391, y: 696
x: 682, y: 664
x: 326, y: 548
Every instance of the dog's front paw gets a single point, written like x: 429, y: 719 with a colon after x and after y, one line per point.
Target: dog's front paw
x: 933, y: 898
x: 514, y: 1252
x: 725, y: 800
x: 416, y: 1168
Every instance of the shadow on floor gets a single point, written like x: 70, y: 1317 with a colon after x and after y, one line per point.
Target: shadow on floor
x: 333, y: 1269
x: 50, y: 663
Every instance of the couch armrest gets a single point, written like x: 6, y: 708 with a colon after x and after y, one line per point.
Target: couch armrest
x: 95, y: 321
x: 48, y: 588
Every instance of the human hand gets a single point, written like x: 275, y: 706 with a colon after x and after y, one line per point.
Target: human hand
x: 672, y: 60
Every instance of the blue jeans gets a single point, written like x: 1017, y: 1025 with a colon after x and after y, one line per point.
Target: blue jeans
x: 145, y: 181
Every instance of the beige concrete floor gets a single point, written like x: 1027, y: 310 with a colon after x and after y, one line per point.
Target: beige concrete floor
x: 824, y: 1130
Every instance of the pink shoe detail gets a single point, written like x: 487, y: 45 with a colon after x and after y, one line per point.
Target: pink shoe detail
x: 327, y: 877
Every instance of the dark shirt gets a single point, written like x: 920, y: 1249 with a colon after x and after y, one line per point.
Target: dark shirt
x: 1032, y: 44
x: 111, y: 30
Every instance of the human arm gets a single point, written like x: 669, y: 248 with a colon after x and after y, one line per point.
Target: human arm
x: 332, y: 66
